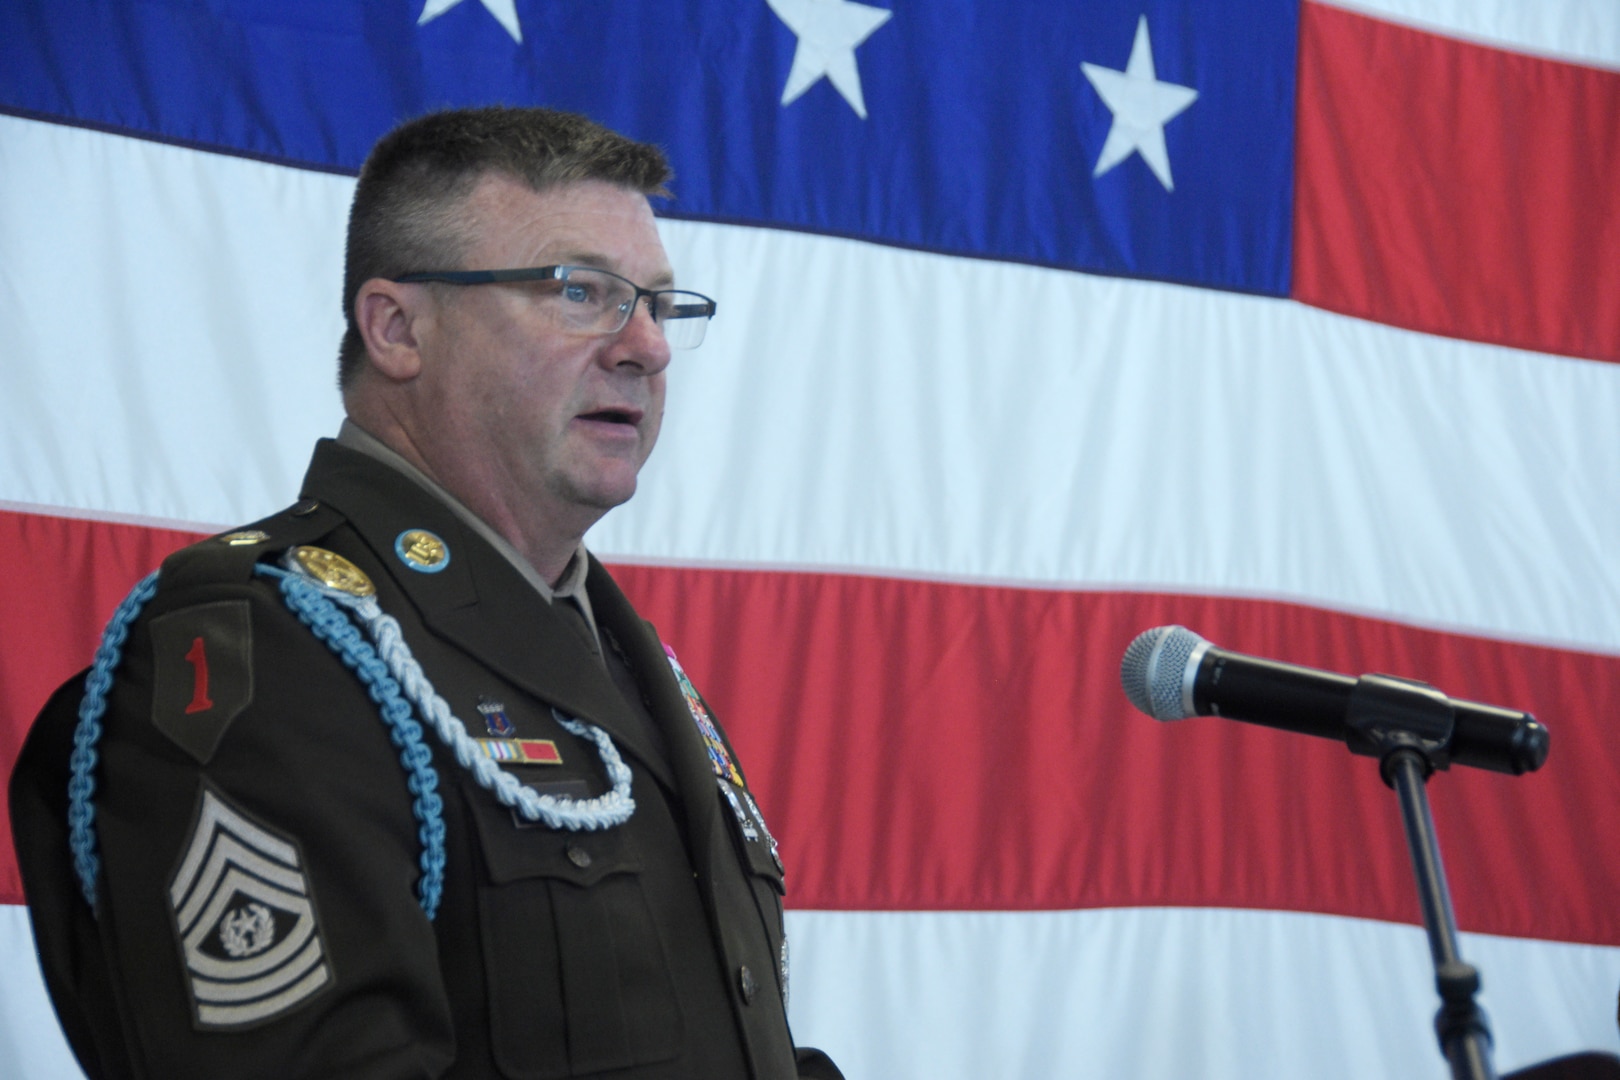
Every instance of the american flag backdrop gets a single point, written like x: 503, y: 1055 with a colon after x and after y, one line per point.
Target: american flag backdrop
x: 1040, y: 324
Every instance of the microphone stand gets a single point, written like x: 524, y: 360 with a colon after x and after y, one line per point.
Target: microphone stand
x: 1407, y: 726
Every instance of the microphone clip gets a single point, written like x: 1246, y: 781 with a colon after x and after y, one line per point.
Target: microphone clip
x: 1388, y: 714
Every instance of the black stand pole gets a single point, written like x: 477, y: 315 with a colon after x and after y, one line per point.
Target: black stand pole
x: 1408, y: 726
x: 1464, y: 1031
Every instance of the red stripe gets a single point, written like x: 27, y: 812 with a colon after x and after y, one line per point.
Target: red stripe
x: 1457, y: 189
x: 64, y: 578
x: 930, y: 746
x: 919, y: 745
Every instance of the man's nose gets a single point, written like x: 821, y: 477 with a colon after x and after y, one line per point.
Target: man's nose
x: 641, y: 342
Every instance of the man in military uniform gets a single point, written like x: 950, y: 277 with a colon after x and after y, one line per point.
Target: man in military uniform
x: 396, y: 783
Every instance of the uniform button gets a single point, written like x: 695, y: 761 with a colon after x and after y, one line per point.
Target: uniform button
x: 747, y: 984
x: 305, y: 508
x: 579, y: 856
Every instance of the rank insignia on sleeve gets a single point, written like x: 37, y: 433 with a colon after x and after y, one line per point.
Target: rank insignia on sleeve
x: 495, y: 718
x: 202, y: 673
x: 245, y: 920
x: 521, y: 751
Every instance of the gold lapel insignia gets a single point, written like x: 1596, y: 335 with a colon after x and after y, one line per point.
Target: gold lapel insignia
x: 422, y: 550
x: 334, y: 571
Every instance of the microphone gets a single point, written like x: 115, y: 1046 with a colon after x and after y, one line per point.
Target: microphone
x: 1171, y: 673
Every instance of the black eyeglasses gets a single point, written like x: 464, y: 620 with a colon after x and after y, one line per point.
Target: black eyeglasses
x: 596, y: 301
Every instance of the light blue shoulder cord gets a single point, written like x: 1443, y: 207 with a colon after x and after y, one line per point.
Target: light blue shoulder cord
x: 384, y: 676
x: 332, y: 627
x: 613, y: 807
x: 82, y: 763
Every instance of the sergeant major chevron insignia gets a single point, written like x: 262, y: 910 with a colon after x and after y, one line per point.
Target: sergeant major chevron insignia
x: 245, y: 920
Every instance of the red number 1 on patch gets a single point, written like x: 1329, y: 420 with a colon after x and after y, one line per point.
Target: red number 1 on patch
x: 197, y: 657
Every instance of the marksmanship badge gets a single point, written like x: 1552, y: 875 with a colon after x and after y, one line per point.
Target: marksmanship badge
x: 245, y: 920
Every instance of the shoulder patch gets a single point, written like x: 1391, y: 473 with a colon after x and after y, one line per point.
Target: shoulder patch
x: 202, y: 673
x: 244, y: 920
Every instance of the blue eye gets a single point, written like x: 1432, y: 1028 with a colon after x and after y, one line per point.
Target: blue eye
x: 578, y: 293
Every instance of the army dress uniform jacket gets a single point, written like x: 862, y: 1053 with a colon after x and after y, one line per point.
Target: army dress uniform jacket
x: 257, y: 910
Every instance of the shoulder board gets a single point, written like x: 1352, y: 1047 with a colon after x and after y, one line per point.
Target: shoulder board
x: 230, y: 556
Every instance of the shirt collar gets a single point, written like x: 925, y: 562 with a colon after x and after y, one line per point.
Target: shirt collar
x: 571, y: 586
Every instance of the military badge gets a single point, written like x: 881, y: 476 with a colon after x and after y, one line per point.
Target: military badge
x: 744, y: 822
x: 495, y: 718
x: 334, y: 571
x: 782, y: 966
x: 244, y: 538
x: 422, y: 551
x: 776, y: 855
x: 246, y: 922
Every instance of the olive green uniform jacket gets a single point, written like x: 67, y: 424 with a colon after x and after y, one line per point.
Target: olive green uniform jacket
x: 257, y: 907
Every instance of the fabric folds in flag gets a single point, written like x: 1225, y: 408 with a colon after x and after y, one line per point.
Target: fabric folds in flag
x: 1292, y: 323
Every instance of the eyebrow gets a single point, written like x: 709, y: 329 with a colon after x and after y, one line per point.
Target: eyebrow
x: 602, y: 262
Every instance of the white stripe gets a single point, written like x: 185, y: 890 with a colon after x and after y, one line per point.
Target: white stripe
x: 168, y: 321
x: 1147, y: 993
x: 137, y: 520
x: 1167, y: 993
x: 1582, y: 31
x: 858, y: 408
x: 980, y: 421
x: 31, y: 1041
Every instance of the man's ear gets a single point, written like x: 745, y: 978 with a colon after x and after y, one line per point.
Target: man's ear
x: 386, y: 313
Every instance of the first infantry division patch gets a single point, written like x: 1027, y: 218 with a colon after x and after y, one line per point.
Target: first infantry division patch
x: 245, y: 920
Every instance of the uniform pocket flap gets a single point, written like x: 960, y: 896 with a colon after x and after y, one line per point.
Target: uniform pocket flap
x: 763, y: 865
x: 512, y: 853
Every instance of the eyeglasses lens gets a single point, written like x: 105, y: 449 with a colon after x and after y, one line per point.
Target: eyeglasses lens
x: 601, y: 302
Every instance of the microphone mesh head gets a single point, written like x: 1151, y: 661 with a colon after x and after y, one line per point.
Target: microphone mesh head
x: 1154, y: 667
x: 1134, y: 672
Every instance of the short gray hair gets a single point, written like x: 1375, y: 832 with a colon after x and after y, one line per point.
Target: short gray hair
x: 406, y: 211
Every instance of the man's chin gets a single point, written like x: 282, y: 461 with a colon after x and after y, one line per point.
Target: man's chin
x: 603, y: 493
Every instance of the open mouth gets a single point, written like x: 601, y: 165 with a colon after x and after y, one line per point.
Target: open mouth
x: 628, y: 417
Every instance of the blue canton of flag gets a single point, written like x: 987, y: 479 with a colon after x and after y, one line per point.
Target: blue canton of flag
x: 1148, y: 139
